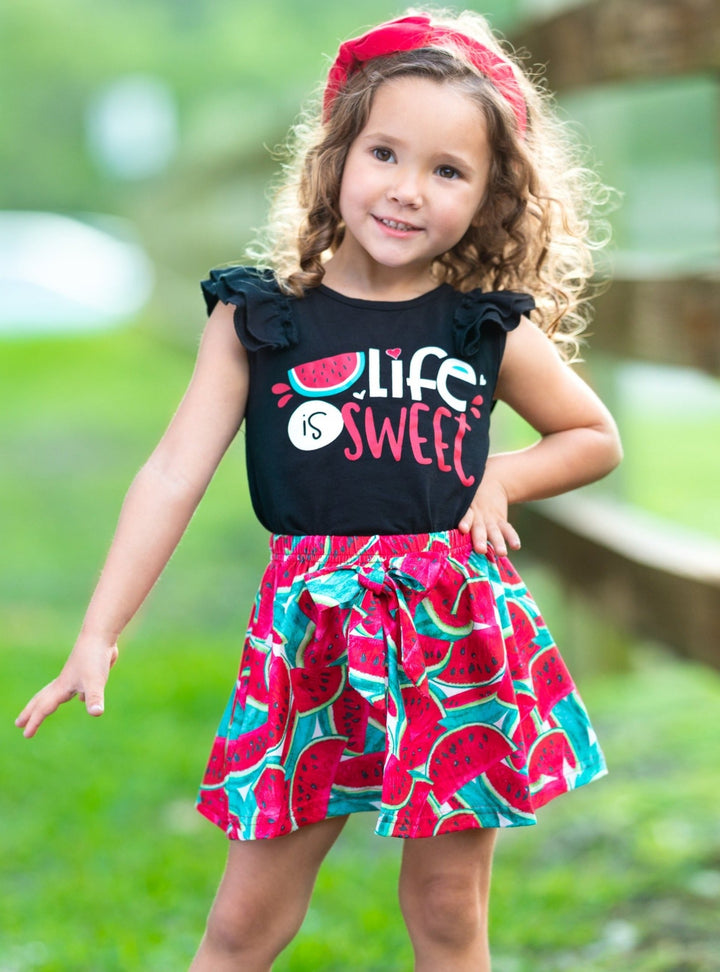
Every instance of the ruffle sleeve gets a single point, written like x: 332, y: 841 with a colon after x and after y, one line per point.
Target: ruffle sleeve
x: 476, y: 310
x: 263, y: 315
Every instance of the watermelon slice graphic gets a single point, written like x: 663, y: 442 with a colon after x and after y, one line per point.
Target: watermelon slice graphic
x: 327, y: 376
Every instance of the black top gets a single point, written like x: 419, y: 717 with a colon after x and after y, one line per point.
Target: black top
x: 366, y: 416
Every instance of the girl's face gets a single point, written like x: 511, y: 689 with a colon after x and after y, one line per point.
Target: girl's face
x: 413, y: 180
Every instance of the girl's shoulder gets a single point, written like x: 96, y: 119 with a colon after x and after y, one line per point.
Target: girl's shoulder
x: 263, y: 315
x: 478, y: 309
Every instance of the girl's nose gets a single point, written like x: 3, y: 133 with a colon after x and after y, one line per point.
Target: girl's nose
x: 406, y: 190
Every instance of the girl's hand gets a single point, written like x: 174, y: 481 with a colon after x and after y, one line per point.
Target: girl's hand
x: 486, y: 520
x: 84, y: 674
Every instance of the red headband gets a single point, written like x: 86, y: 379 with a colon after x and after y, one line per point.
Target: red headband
x: 411, y: 34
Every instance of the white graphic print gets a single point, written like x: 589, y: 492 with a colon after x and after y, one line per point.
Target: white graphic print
x: 314, y: 425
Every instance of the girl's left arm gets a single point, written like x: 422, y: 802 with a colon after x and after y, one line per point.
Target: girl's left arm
x: 578, y: 442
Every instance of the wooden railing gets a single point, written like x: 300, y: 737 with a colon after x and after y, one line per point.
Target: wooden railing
x: 668, y: 321
x: 652, y: 578
x: 625, y: 40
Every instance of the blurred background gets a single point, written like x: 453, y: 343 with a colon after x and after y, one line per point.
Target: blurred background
x: 136, y: 148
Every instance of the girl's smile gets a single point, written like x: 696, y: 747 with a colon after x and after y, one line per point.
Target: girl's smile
x: 413, y: 181
x: 396, y: 228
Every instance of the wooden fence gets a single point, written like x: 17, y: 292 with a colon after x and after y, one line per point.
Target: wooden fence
x: 653, y: 578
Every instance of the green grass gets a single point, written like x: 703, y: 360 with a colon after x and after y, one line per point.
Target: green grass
x: 105, y: 866
x: 680, y: 459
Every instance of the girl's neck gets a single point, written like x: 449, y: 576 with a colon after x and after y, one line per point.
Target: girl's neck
x: 376, y: 283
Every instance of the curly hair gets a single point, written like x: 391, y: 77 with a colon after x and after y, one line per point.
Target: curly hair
x: 537, y: 227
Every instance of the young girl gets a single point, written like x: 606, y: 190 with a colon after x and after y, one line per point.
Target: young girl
x: 394, y: 661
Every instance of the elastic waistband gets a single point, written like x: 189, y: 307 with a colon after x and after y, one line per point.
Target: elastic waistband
x: 336, y: 549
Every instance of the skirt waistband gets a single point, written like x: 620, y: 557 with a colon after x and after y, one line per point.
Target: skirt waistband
x: 364, y: 549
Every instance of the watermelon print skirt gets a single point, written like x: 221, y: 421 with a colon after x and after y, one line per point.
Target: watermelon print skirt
x: 405, y: 675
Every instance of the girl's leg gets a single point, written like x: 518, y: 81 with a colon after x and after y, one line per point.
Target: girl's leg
x: 444, y: 891
x: 262, y: 898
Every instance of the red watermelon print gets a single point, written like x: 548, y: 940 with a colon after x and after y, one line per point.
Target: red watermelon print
x: 405, y: 675
x: 327, y: 376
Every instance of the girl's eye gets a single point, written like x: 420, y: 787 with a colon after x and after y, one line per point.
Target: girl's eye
x: 382, y: 154
x: 447, y: 172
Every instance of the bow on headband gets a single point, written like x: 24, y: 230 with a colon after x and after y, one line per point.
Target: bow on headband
x: 411, y: 34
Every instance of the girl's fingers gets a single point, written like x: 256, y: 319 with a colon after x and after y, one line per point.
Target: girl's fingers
x: 49, y: 699
x: 25, y: 714
x: 40, y: 707
x: 496, y: 538
x: 474, y: 524
x: 95, y: 690
x: 466, y: 523
x: 512, y: 537
x: 501, y: 535
x: 479, y: 536
x: 95, y: 702
x: 35, y: 705
x: 31, y: 725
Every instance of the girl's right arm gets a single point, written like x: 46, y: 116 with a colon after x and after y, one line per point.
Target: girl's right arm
x: 578, y: 439
x: 154, y: 515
